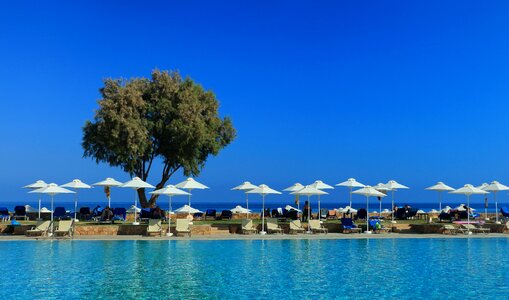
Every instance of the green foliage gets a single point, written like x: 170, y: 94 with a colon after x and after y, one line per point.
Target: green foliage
x: 165, y: 117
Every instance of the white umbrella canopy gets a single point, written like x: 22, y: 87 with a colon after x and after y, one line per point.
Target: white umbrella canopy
x: 496, y: 187
x: 433, y: 211
x: 440, y: 187
x: 393, y: 186
x: 469, y: 190
x: 318, y: 184
x: 136, y: 183
x: 309, y: 191
x: 191, y: 184
x: 37, y: 185
x: 295, y: 187
x: 52, y: 189
x: 263, y: 190
x: 240, y: 210
x: 348, y: 210
x: 133, y: 209
x: 245, y: 187
x: 368, y: 191
x: 351, y: 183
x: 76, y: 184
x: 107, y: 184
x: 30, y: 209
x: 187, y: 209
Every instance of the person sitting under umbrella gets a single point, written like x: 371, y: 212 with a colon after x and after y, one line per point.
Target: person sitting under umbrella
x: 106, y: 214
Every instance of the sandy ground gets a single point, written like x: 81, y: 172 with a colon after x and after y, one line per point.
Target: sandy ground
x: 330, y: 236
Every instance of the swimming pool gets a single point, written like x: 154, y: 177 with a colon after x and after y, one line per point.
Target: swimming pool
x: 360, y: 268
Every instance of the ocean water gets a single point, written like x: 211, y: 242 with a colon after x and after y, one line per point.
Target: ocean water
x: 256, y: 205
x: 467, y: 268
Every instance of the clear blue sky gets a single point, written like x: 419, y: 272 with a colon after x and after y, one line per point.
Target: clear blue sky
x: 415, y: 91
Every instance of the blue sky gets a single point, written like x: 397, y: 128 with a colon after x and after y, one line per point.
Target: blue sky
x: 414, y: 91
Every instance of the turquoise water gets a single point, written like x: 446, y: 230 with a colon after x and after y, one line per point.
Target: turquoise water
x: 299, y: 269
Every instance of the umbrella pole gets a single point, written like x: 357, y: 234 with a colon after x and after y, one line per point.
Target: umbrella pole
x: 350, y: 197
x: 169, y: 215
x: 247, y: 205
x: 439, y: 201
x: 134, y: 222
x: 367, y: 214
x: 319, y: 210
x: 75, y: 204
x: 263, y: 214
x: 109, y: 201
x: 52, y: 214
x: 468, y: 213
x: 309, y: 213
x: 380, y: 213
x: 392, y: 208
x: 189, y: 213
x: 496, y: 205
x: 485, y: 207
x: 39, y: 206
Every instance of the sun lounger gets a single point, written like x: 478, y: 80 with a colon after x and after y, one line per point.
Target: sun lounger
x: 248, y: 227
x: 154, y: 227
x: 273, y: 227
x: 331, y: 214
x: 474, y: 229
x: 226, y: 215
x: 40, y: 229
x: 119, y: 214
x: 20, y: 213
x: 296, y: 227
x: 210, y: 213
x: 450, y: 229
x: 60, y: 213
x: 349, y: 226
x: 4, y: 214
x: 182, y: 227
x: 377, y: 226
x: 316, y: 227
x: 65, y: 227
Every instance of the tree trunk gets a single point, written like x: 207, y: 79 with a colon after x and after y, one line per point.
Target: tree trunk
x: 150, y: 203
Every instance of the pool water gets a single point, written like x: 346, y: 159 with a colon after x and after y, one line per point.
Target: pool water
x: 467, y: 268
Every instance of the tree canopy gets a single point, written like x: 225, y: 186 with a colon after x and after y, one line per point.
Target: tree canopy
x: 168, y: 117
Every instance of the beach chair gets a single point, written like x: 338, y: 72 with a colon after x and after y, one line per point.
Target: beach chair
x: 85, y: 214
x: 505, y: 212
x: 119, y: 214
x: 361, y: 214
x: 349, y: 226
x: 20, y: 213
x: 226, y: 215
x: 248, y: 227
x: 473, y: 229
x: 145, y: 214
x: 296, y: 227
x: 210, y: 213
x: 64, y: 228
x: 316, y: 227
x: 332, y: 215
x: 450, y: 229
x: 377, y: 226
x: 154, y: 227
x: 4, y: 214
x: 198, y: 216
x: 323, y: 213
x: 272, y: 226
x: 60, y: 213
x: 183, y: 227
x: 40, y: 229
